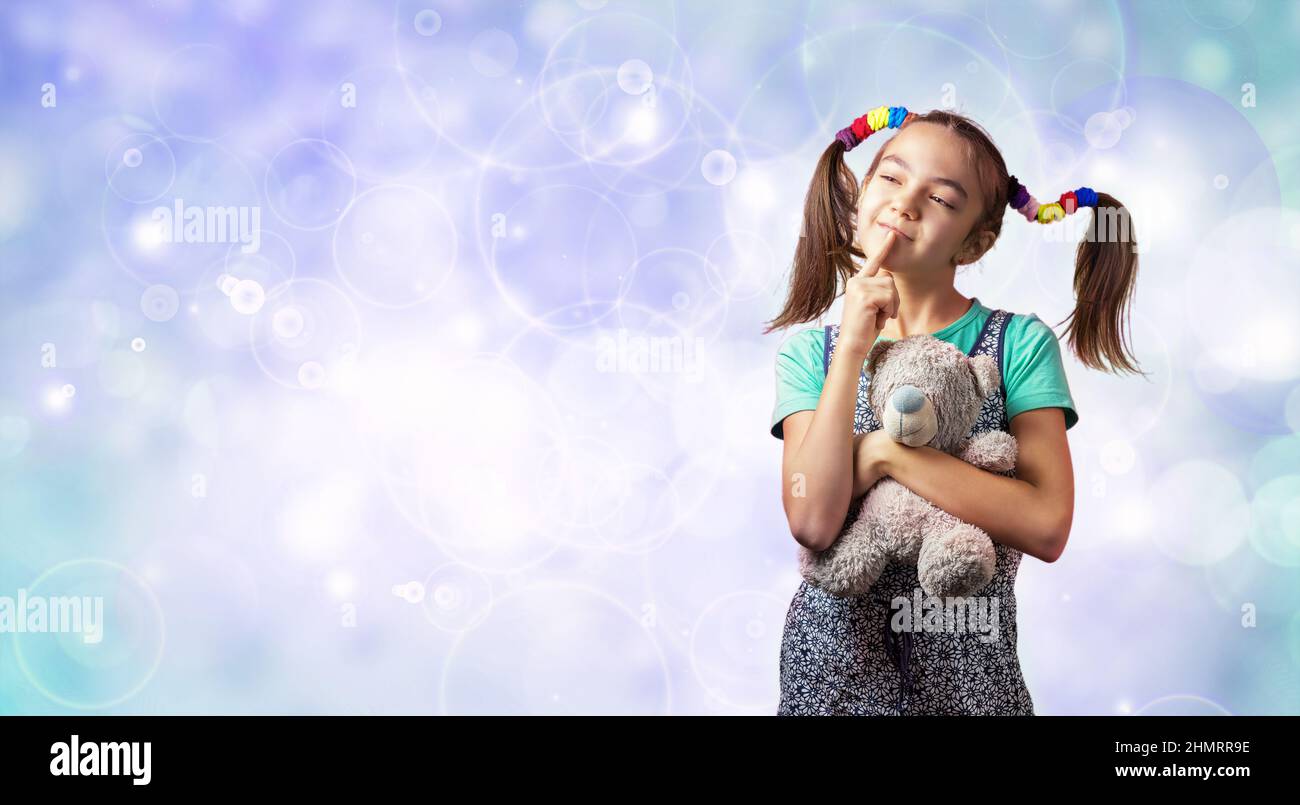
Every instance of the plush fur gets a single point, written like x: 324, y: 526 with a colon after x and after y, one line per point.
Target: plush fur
x: 922, y: 391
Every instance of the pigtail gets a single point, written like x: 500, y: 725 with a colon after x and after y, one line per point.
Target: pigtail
x: 1105, y: 274
x: 826, y: 247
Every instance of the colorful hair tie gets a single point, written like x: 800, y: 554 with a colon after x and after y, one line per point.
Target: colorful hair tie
x: 1018, y: 199
x: 881, y: 117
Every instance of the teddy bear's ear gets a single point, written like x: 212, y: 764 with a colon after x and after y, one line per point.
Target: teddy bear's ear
x: 878, y: 350
x: 987, y: 378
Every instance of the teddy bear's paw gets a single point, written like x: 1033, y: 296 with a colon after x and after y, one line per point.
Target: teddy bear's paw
x: 898, y: 517
x: 852, y: 563
x: 840, y: 586
x: 959, y: 562
x: 993, y: 450
x: 816, y: 566
x: 810, y: 564
x: 856, y: 567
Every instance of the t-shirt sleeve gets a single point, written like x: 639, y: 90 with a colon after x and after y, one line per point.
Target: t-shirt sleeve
x: 1035, y: 373
x: 799, y: 376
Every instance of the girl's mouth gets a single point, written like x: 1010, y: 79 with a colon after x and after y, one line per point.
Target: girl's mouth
x: 895, y: 229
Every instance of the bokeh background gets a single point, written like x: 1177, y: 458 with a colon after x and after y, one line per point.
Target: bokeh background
x: 409, y: 455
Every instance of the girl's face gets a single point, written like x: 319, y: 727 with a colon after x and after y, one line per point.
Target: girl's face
x: 925, y: 188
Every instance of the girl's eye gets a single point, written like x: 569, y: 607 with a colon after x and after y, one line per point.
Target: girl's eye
x: 936, y: 198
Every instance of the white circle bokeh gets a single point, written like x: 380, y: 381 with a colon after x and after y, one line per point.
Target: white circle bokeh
x: 309, y: 183
x: 732, y: 645
x: 493, y: 52
x: 159, y: 302
x: 718, y: 167
x: 140, y: 168
x: 457, y: 598
x: 86, y: 674
x: 428, y: 22
x: 1204, y: 514
x: 562, y: 272
x: 395, y: 246
x: 329, y: 339
x: 635, y: 76
x: 1182, y: 705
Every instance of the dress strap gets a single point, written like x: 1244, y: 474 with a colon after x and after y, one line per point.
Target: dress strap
x: 987, y: 335
x: 828, y: 346
x: 991, y: 341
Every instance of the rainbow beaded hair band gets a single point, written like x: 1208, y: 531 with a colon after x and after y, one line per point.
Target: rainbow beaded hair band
x: 879, y: 118
x: 1018, y: 197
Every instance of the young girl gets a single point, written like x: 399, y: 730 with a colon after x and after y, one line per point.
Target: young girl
x: 932, y: 200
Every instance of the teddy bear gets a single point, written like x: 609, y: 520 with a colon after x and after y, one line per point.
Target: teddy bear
x: 923, y: 391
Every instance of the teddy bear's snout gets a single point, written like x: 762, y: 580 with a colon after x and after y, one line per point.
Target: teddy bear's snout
x: 909, y: 417
x: 907, y: 399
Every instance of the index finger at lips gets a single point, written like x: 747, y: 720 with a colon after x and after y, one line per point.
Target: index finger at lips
x: 874, y: 263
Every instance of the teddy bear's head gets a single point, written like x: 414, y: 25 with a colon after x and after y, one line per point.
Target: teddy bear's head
x: 925, y: 391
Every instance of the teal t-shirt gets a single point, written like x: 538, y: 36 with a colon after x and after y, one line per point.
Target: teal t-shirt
x: 1035, y: 373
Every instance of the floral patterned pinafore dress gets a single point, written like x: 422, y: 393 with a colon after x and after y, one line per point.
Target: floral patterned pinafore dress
x: 839, y: 655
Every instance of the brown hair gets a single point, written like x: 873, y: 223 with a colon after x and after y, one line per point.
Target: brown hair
x: 1105, y: 270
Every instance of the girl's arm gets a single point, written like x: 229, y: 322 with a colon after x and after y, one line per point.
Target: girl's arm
x: 819, y: 456
x: 1031, y: 512
x: 817, y: 465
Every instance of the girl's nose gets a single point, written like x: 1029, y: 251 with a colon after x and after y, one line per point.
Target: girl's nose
x: 907, y: 399
x: 904, y: 212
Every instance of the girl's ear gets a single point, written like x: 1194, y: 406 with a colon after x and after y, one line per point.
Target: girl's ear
x: 987, y: 378
x: 974, y: 248
x: 878, y: 350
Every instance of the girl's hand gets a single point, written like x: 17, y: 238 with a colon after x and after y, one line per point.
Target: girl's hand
x: 870, y: 300
x: 871, y: 458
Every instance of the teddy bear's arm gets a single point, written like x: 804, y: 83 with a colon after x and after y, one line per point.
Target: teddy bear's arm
x: 992, y: 450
